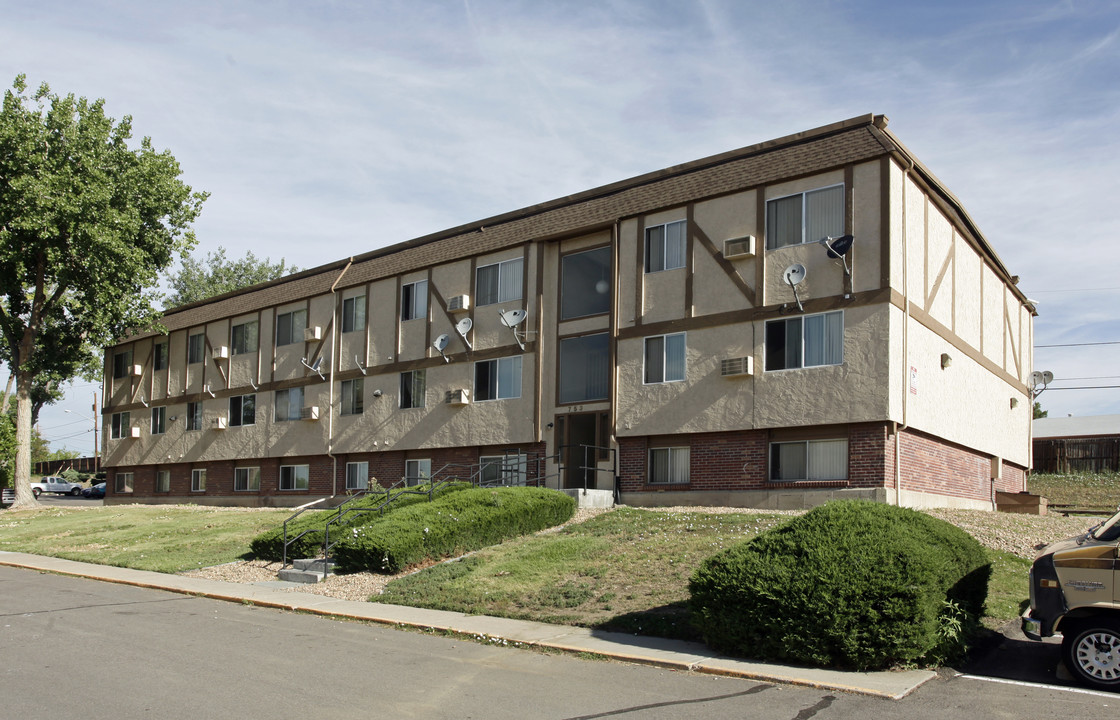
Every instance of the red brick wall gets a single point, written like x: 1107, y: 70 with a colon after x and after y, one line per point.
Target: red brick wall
x: 932, y: 465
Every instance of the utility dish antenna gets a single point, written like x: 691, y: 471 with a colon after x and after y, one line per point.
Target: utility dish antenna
x: 511, y: 319
x: 463, y: 327
x: 440, y: 344
x: 793, y: 275
x: 314, y: 367
x: 838, y: 248
x: 1039, y: 380
x: 358, y: 362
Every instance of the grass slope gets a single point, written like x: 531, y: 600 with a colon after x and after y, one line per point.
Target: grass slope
x: 1095, y: 491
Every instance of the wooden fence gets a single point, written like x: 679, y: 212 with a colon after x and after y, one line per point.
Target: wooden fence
x: 57, y: 467
x: 1077, y: 455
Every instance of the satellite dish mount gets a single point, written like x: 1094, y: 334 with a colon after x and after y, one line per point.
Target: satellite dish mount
x: 512, y: 319
x: 838, y: 248
x: 1040, y: 379
x: 440, y: 344
x: 792, y: 276
x: 314, y: 367
x: 463, y: 327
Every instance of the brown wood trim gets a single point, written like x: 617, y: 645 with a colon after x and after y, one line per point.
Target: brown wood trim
x: 689, y: 264
x: 428, y: 304
x: 1009, y: 340
x: 931, y: 293
x: 640, y: 271
x: 538, y: 361
x: 397, y: 318
x: 885, y: 166
x: 760, y: 255
x: 850, y: 221
x: 724, y: 264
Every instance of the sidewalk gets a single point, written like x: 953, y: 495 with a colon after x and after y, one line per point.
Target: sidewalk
x: 673, y: 654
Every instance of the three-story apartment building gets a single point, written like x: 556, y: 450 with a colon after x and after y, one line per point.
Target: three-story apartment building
x: 682, y: 337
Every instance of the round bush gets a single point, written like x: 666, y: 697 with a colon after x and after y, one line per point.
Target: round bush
x: 854, y: 584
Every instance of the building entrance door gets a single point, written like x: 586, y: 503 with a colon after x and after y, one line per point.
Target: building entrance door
x: 579, y: 436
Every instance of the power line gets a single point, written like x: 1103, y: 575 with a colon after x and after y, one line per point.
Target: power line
x: 1086, y: 387
x: 1112, y: 342
x: 1104, y: 289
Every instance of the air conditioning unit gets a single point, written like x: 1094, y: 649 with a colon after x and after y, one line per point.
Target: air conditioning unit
x: 221, y: 352
x: 731, y: 367
x: 312, y: 333
x: 134, y: 432
x: 458, y: 396
x: 311, y: 412
x: 459, y: 303
x: 220, y: 423
x: 137, y: 370
x: 739, y: 247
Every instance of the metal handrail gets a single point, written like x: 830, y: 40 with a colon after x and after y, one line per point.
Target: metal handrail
x: 303, y: 508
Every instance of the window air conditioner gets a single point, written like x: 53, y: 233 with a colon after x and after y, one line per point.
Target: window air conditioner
x: 459, y: 303
x: 221, y: 352
x: 739, y: 247
x: 311, y: 412
x: 458, y: 396
x: 137, y: 370
x: 730, y: 367
x: 220, y: 423
x: 312, y: 333
x: 134, y: 432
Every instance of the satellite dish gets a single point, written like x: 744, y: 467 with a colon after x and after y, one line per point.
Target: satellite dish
x: 1037, y: 378
x: 513, y: 318
x: 838, y: 247
x: 440, y: 343
x: 793, y: 275
x: 1047, y: 377
x: 463, y: 327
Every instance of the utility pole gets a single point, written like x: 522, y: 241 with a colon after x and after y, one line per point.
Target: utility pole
x: 96, y: 447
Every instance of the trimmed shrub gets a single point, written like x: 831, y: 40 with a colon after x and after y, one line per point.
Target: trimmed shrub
x: 853, y: 584
x: 270, y: 545
x: 450, y: 525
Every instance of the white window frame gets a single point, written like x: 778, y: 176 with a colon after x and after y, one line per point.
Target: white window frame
x: 353, y: 396
x: 771, y: 242
x: 804, y: 346
x: 249, y: 342
x: 664, y: 377
x: 296, y: 479
x: 123, y: 482
x: 417, y: 471
x: 507, y: 291
x: 198, y: 480
x: 288, y: 320
x: 247, y: 479
x: 354, y: 314
x: 812, y: 474
x: 119, y: 425
x: 671, y: 459
x: 240, y: 420
x: 196, y: 348
x: 159, y: 420
x: 500, y: 391
x: 414, y: 301
x: 357, y: 476
x: 664, y: 265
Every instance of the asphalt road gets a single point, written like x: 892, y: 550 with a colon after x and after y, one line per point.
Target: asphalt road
x: 71, y: 647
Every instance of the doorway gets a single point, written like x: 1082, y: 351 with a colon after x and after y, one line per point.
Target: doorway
x: 582, y: 439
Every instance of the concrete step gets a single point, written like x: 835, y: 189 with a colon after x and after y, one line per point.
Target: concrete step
x: 314, y: 565
x: 307, y: 570
x: 299, y: 576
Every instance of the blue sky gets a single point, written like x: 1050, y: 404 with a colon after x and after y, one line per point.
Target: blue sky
x: 326, y: 129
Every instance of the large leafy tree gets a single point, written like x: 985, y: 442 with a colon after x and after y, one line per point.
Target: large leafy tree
x: 201, y: 279
x: 87, y: 224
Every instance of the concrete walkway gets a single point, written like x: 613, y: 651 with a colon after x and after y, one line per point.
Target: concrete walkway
x: 673, y: 654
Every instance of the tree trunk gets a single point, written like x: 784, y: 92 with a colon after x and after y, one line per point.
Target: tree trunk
x: 24, y: 497
x: 7, y: 393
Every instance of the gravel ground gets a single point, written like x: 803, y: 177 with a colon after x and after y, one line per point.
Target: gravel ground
x: 1021, y: 535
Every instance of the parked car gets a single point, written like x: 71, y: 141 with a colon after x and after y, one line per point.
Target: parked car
x: 56, y: 485
x: 94, y: 491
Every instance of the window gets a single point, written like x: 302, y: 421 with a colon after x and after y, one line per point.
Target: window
x: 665, y: 358
x: 353, y: 396
x: 585, y: 283
x: 808, y: 341
x: 805, y: 217
x: 123, y: 482
x: 512, y: 469
x: 665, y: 246
x: 668, y: 465
x: 354, y: 314
x: 159, y: 420
x: 196, y: 348
x: 244, y: 338
x: 499, y: 282
x: 194, y: 416
x: 288, y: 404
x: 809, y: 460
x: 293, y: 477
x: 159, y: 356
x: 119, y: 425
x: 242, y: 410
x: 585, y: 368
x: 290, y: 327
x: 414, y: 300
x: 163, y: 481
x: 417, y: 471
x: 497, y: 379
x: 247, y: 479
x: 122, y: 364
x: 198, y: 480
x: 357, y: 475
x: 412, y: 389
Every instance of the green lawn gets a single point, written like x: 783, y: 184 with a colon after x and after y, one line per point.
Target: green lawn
x: 166, y: 538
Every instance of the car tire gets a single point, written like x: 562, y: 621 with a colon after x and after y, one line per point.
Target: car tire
x: 1091, y: 650
x: 36, y: 492
x: 76, y: 492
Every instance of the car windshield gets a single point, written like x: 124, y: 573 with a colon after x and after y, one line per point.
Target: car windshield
x: 1108, y: 530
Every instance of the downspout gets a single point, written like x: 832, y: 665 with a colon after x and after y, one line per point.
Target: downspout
x: 334, y: 362
x: 616, y: 271
x: 905, y: 346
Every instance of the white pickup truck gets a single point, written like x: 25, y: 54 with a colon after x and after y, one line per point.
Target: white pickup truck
x: 56, y: 485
